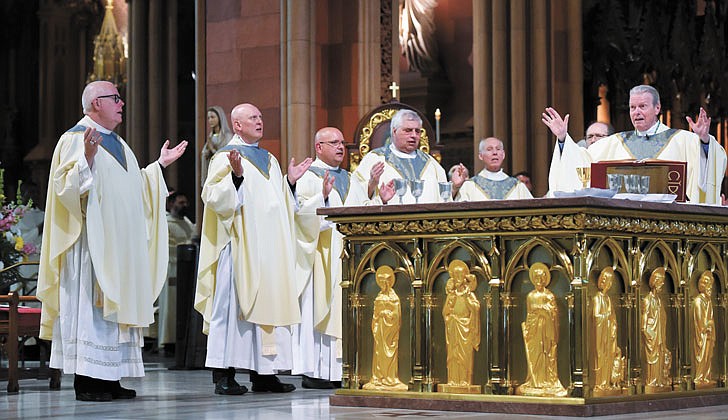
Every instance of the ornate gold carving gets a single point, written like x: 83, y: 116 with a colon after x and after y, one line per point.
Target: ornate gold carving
x: 386, y: 323
x: 507, y: 300
x: 540, y: 337
x: 569, y: 300
x: 654, y: 336
x: 109, y: 58
x: 379, y: 118
x: 704, y: 332
x: 461, y: 312
x: 609, y: 364
x: 429, y: 302
x: 577, y: 221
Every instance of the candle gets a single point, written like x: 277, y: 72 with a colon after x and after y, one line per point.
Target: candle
x: 18, y: 195
x: 2, y: 186
x: 437, y: 125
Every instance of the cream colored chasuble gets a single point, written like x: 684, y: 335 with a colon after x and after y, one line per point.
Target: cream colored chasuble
x: 123, y: 210
x: 704, y: 176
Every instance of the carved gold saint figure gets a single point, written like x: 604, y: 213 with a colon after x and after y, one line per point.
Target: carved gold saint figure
x: 654, y: 328
x: 704, y: 331
x: 609, y: 363
x: 540, y: 337
x: 386, y: 321
x: 461, y: 312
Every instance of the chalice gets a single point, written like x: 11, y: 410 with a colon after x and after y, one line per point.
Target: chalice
x: 400, y: 187
x: 584, y: 174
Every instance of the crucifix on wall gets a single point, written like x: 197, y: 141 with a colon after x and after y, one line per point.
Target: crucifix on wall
x: 394, y: 87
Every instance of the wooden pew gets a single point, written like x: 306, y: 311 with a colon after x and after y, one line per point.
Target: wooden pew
x: 21, y: 321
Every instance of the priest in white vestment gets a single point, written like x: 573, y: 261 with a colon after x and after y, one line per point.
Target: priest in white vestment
x: 705, y: 157
x: 492, y: 183
x: 246, y: 286
x: 181, y: 231
x: 104, y: 250
x: 317, y: 340
x: 403, y: 159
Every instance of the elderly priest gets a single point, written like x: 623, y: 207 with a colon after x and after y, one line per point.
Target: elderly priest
x: 491, y: 183
x: 650, y: 139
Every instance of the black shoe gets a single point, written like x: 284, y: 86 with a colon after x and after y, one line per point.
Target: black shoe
x: 229, y: 386
x: 316, y: 383
x: 118, y: 392
x: 269, y: 383
x: 94, y: 396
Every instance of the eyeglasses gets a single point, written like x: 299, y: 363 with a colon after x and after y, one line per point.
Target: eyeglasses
x: 334, y: 143
x: 116, y: 97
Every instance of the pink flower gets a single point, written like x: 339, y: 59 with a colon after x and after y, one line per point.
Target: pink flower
x: 29, y: 249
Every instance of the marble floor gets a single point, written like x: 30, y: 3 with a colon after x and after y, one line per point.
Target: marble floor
x: 188, y: 394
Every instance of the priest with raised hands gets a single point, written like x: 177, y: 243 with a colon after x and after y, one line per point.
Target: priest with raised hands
x: 492, y: 183
x: 104, y: 251
x: 317, y: 340
x: 402, y: 159
x: 246, y: 285
x: 650, y: 139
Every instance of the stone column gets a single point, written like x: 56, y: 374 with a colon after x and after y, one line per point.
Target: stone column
x: 170, y: 98
x: 297, y: 67
x: 369, y: 57
x: 200, y: 99
x: 155, y: 86
x: 136, y: 110
x: 482, y: 76
x: 517, y: 145
x: 539, y: 81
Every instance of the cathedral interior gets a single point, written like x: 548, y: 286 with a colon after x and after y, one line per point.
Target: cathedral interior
x: 490, y: 67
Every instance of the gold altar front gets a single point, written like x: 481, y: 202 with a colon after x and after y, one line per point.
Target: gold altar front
x: 499, y: 241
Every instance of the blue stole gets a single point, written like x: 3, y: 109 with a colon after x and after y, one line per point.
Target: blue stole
x: 496, y: 190
x: 646, y: 147
x: 109, y: 142
x: 410, y: 169
x: 260, y: 158
x: 341, y: 179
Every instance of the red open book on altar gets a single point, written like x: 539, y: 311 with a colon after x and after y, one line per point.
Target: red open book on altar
x: 666, y: 176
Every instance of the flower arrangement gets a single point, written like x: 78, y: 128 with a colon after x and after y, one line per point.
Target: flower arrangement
x: 13, y: 249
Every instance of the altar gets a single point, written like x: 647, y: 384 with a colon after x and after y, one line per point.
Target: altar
x: 572, y: 306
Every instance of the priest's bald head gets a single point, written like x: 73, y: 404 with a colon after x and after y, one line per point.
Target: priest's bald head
x: 247, y: 122
x: 102, y: 103
x: 329, y: 144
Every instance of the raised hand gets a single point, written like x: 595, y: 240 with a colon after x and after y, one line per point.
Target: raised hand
x: 459, y: 176
x: 702, y: 126
x: 295, y: 172
x: 559, y: 126
x: 236, y: 162
x: 328, y: 184
x: 167, y: 156
x: 374, y: 175
x: 386, y: 191
x: 91, y: 141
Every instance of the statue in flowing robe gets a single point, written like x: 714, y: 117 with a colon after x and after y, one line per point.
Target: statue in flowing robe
x: 654, y: 336
x: 461, y: 312
x: 609, y: 363
x: 541, y: 337
x: 386, y: 323
x: 703, y: 332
